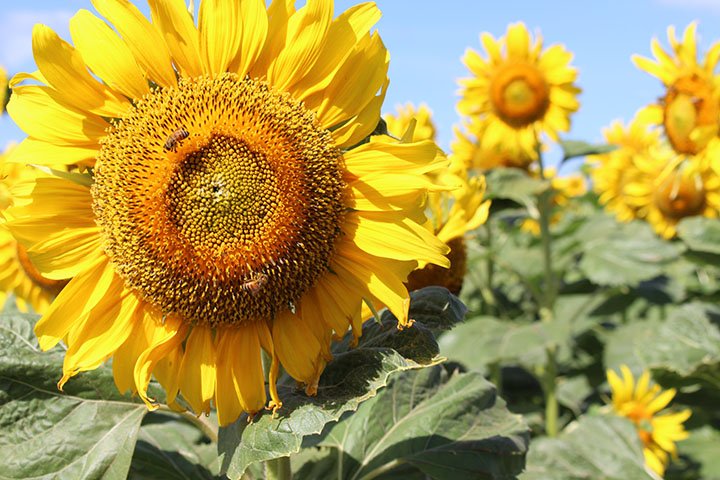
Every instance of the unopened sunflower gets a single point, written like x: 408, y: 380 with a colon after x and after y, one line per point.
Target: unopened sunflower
x: 224, y: 212
x: 611, y: 172
x: 642, y: 404
x: 519, y: 90
x: 18, y: 275
x: 689, y: 111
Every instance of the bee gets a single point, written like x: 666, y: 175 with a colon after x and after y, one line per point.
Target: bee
x: 255, y: 283
x: 175, y: 138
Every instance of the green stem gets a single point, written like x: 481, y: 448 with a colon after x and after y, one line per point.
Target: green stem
x: 278, y: 469
x: 488, y: 291
x: 549, y: 380
x: 382, y: 469
x: 552, y: 409
x: 496, y: 377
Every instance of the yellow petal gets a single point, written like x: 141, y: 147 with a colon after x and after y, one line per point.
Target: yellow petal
x: 168, y: 335
x: 65, y: 71
x: 278, y: 14
x: 34, y: 151
x: 66, y: 253
x: 254, y: 32
x: 107, y: 55
x: 197, y: 370
x: 177, y: 27
x: 395, y: 157
x: 298, y: 347
x: 74, y: 303
x: 43, y: 118
x: 143, y: 39
x: 140, y: 338
x: 106, y: 328
x: 518, y: 40
x: 220, y: 28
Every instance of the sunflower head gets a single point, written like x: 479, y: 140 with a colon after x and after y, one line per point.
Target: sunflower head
x: 612, y: 172
x: 689, y: 110
x: 519, y: 89
x: 643, y: 404
x: 399, y: 122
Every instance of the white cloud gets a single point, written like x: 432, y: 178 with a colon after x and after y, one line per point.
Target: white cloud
x: 16, y: 27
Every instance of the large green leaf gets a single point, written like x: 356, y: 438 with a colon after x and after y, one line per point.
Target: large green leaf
x: 700, y: 234
x: 602, y: 447
x: 617, y: 254
x: 88, y: 431
x: 428, y: 421
x: 686, y: 343
x: 355, y: 375
x: 702, y: 446
x: 575, y: 148
x: 170, y: 449
x: 515, y: 184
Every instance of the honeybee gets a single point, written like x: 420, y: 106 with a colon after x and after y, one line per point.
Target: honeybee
x: 255, y: 283
x: 175, y: 138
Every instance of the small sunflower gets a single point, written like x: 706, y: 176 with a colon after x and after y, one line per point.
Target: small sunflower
x: 689, y: 111
x: 453, y: 212
x: 611, y: 172
x: 519, y: 90
x: 225, y: 210
x: 399, y: 122
x: 669, y: 187
x: 642, y: 404
x: 18, y: 275
x: 467, y: 149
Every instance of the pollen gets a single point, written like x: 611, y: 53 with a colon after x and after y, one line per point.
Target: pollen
x: 234, y: 222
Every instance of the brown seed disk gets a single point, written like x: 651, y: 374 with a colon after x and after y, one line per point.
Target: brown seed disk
x: 252, y: 196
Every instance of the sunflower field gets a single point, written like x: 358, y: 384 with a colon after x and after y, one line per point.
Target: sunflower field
x: 225, y: 256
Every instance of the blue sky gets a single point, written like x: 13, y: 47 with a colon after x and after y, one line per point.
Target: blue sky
x: 426, y: 40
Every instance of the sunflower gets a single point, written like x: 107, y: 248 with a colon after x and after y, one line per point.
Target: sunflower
x: 519, y: 90
x: 564, y: 188
x: 689, y: 111
x: 467, y: 149
x: 399, y: 122
x: 642, y: 404
x: 668, y: 187
x: 224, y: 211
x: 452, y: 212
x: 611, y: 172
x: 18, y: 276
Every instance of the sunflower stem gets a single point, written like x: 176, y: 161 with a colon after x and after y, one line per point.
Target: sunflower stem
x: 549, y: 377
x: 487, y: 290
x: 278, y: 469
x: 202, y: 422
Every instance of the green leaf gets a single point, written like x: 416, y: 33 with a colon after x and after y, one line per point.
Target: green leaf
x: 702, y: 447
x: 700, y: 234
x: 515, y: 184
x: 687, y: 344
x: 575, y: 148
x: 88, y: 431
x: 617, y: 254
x: 354, y: 375
x: 602, y: 447
x: 170, y: 448
x: 443, y: 425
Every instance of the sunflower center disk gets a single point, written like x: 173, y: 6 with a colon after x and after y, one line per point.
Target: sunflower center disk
x: 519, y: 95
x: 220, y: 200
x: 680, y: 196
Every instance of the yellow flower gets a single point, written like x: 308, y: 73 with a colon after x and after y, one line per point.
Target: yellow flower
x: 519, y: 89
x: 17, y: 273
x: 689, y: 110
x: 642, y: 404
x: 611, y: 172
x: 669, y: 187
x: 226, y: 212
x: 453, y: 212
x: 467, y: 149
x: 564, y: 188
x: 398, y: 123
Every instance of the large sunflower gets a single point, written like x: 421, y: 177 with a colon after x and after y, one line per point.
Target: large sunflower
x: 18, y: 276
x: 642, y: 404
x: 689, y: 111
x: 225, y: 212
x: 611, y: 172
x: 519, y: 89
